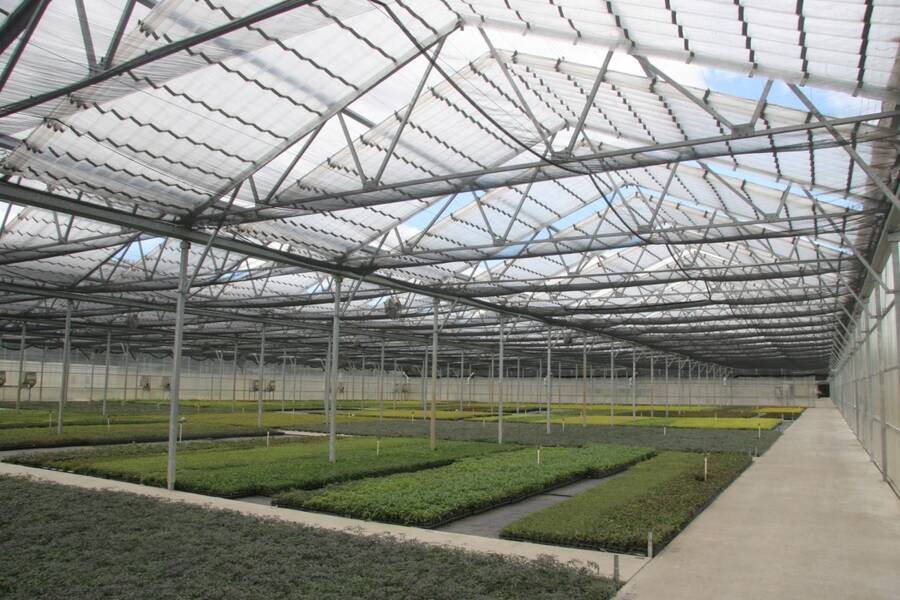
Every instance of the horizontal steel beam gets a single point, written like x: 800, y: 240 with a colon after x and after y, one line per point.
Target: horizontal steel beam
x: 523, y: 173
x: 152, y: 56
x: 31, y: 197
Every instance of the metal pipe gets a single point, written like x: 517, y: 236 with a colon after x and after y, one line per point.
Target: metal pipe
x: 584, y: 383
x: 549, y: 375
x: 22, y: 367
x: 332, y: 392
x: 326, y: 380
x: 633, y: 384
x: 500, y: 389
x: 612, y: 386
x: 175, y: 384
x: 518, y: 382
x: 432, y: 426
x: 462, y: 359
x: 381, y: 384
x: 260, y: 396
x: 91, y: 384
x: 667, y: 388
x: 43, y: 363
x: 64, y: 381
x: 424, y: 383
x: 234, y: 380
x: 283, y: 379
x: 106, y: 373
x: 491, y: 386
x: 125, y: 380
x: 690, y: 384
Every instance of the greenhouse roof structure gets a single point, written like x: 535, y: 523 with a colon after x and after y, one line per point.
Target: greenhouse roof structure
x: 702, y: 181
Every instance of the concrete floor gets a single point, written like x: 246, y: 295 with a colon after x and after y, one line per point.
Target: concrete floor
x: 810, y: 519
x: 491, y: 522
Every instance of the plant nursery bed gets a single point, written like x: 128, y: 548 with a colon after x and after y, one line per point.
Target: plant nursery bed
x: 435, y: 497
x: 90, y: 435
x: 171, y: 551
x: 233, y: 471
x: 661, y: 495
x: 413, y: 414
x: 194, y: 426
x: 748, y: 441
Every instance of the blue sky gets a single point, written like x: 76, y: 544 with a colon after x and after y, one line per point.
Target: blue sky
x: 832, y: 103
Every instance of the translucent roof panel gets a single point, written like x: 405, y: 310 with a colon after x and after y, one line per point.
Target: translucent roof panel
x: 702, y: 179
x: 849, y: 46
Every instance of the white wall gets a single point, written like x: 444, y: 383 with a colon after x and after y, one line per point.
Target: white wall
x: 865, y: 384
x: 208, y: 380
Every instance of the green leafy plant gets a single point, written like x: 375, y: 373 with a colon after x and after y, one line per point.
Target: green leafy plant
x: 661, y: 495
x: 145, y: 548
x: 692, y: 422
x: 247, y: 469
x: 428, y: 498
x: 534, y: 434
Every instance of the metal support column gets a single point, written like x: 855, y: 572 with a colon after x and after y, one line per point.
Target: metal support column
x: 261, y: 392
x: 491, y: 386
x: 91, y: 383
x: 283, y: 379
x: 381, y: 384
x: 333, y: 374
x: 518, y: 383
x: 221, y: 357
x: 612, y: 386
x: 106, y: 372
x: 425, y: 383
x: 462, y: 359
x: 667, y: 388
x: 502, y: 392
x: 584, y: 384
x: 689, y: 384
x: 234, y: 380
x: 41, y: 379
x: 549, y: 375
x: 64, y: 381
x: 21, y: 380
x: 175, y: 383
x: 125, y: 353
x: 633, y: 384
x: 432, y: 425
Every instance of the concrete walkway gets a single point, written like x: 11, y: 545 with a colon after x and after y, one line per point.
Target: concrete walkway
x: 600, y: 562
x: 811, y: 519
x: 491, y: 522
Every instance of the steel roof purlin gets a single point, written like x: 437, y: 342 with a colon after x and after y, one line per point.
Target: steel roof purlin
x: 697, y: 182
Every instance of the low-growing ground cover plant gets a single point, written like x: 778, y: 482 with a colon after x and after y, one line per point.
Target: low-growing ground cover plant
x: 11, y: 419
x: 624, y: 406
x: 249, y: 469
x: 680, y: 422
x: 429, y: 498
x: 411, y: 413
x: 86, y: 435
x: 117, y: 546
x: 661, y: 495
x: 785, y: 412
x: 534, y: 434
x: 124, y: 429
